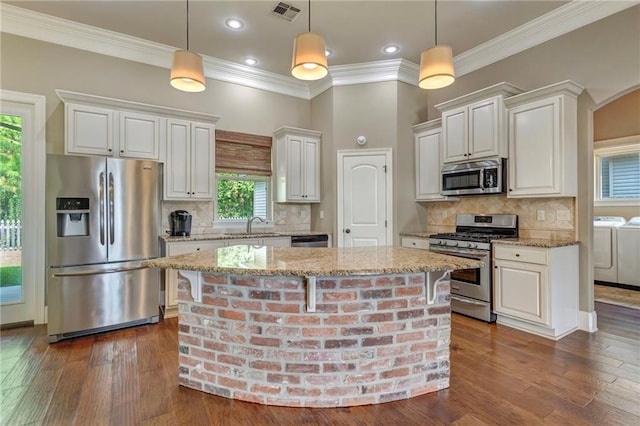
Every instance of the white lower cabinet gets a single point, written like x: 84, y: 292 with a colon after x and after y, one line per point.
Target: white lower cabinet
x: 171, y: 275
x: 536, y: 289
x: 415, y: 242
x: 185, y: 247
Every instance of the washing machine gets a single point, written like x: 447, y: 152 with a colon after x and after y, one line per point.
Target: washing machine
x: 629, y: 252
x: 605, y: 247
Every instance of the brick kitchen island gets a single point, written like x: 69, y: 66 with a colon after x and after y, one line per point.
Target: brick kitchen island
x: 314, y: 327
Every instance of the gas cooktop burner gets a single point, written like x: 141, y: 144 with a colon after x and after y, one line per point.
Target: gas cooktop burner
x: 468, y: 236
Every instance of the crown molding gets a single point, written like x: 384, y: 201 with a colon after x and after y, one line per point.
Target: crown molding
x: 39, y: 26
x: 556, y: 23
x: 567, y: 18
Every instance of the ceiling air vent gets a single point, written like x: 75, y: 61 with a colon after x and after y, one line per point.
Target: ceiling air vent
x: 285, y: 11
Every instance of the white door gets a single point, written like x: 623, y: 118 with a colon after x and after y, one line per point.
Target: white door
x: 364, y: 198
x: 22, y: 129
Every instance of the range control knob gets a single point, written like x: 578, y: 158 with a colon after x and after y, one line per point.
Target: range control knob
x: 452, y: 243
x: 473, y: 245
x: 464, y: 244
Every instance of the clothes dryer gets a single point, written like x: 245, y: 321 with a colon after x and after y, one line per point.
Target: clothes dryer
x: 605, y: 247
x: 629, y: 252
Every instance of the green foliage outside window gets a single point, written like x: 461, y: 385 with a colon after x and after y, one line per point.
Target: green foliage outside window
x: 10, y: 167
x: 235, y: 198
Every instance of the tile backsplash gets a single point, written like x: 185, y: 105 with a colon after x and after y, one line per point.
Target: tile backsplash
x: 558, y: 222
x: 286, y: 217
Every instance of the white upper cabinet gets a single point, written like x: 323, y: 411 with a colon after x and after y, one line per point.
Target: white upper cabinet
x: 297, y: 158
x: 428, y: 160
x: 139, y: 135
x: 190, y: 166
x: 543, y: 141
x: 474, y: 125
x: 96, y: 125
x: 89, y: 130
x: 96, y: 130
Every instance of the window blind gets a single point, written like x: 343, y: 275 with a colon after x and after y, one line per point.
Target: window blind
x: 243, y: 153
x: 621, y: 176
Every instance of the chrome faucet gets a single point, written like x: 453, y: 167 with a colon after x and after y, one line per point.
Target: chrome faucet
x: 250, y: 221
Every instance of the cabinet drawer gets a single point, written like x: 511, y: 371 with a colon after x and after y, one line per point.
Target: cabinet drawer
x: 192, y: 247
x: 521, y: 254
x: 419, y: 243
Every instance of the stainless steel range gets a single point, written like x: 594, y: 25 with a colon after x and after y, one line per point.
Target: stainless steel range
x: 472, y: 289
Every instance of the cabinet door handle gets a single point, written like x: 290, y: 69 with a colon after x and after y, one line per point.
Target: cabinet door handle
x: 198, y: 249
x: 348, y: 231
x: 517, y: 254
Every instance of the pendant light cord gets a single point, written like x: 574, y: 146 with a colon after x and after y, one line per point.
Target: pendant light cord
x: 187, y: 25
x: 309, y: 15
x: 436, y: 19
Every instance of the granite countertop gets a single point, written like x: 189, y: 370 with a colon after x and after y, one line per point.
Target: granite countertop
x: 536, y: 242
x: 302, y: 261
x: 419, y: 234
x: 239, y: 235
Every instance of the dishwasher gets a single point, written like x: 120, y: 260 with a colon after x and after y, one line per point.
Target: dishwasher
x: 320, y: 240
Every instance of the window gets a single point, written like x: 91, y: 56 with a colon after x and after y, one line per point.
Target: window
x: 243, y: 174
x: 617, y: 174
x: 242, y: 196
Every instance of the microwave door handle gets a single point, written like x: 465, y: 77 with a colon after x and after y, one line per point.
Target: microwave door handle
x: 482, y: 178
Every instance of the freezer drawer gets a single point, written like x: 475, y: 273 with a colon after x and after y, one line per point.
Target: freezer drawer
x: 85, y: 300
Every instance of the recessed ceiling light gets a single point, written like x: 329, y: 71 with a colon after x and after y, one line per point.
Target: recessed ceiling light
x: 328, y: 52
x: 251, y: 61
x: 392, y: 48
x: 234, y: 23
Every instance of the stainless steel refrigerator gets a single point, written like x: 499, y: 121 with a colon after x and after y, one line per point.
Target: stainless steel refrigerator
x: 102, y: 221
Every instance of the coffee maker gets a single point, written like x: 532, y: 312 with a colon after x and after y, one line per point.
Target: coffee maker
x: 180, y: 222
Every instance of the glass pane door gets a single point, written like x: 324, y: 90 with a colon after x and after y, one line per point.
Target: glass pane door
x: 11, y: 290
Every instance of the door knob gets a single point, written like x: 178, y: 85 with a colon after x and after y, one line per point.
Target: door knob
x: 348, y: 231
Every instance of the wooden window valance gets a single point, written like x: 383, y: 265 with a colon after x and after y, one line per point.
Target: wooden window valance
x: 243, y: 153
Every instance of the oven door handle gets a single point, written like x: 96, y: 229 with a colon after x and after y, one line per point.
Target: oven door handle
x: 475, y: 255
x: 469, y: 302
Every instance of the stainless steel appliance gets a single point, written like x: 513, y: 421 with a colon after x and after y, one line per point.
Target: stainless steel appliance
x: 321, y: 240
x: 180, y: 222
x: 475, y: 178
x: 472, y: 289
x: 101, y: 223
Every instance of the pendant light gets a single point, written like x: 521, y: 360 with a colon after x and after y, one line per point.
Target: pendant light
x: 436, y: 64
x: 309, y: 58
x: 187, y: 72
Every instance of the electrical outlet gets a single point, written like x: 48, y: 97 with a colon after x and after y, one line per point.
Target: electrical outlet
x: 563, y: 215
x: 540, y: 214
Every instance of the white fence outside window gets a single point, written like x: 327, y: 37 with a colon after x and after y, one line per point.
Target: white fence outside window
x: 10, y: 235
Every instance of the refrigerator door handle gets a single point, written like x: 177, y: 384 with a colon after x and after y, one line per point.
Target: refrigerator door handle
x: 98, y: 272
x: 102, y: 208
x: 111, y: 210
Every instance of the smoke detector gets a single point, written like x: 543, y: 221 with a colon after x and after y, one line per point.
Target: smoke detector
x: 285, y: 11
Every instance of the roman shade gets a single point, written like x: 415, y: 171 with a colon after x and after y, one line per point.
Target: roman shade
x: 243, y: 153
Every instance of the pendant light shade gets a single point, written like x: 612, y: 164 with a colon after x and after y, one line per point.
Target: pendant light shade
x: 436, y: 68
x: 309, y: 61
x: 187, y: 72
x: 436, y: 63
x: 309, y: 57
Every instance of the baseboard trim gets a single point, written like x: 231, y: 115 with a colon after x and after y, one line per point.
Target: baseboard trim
x: 588, y: 321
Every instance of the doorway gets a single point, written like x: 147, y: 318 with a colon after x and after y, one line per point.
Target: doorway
x: 364, y: 198
x: 22, y: 164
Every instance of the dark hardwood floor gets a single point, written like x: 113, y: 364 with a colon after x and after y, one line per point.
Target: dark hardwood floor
x: 500, y: 376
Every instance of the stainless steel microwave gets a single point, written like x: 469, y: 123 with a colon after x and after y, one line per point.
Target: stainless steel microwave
x: 475, y: 178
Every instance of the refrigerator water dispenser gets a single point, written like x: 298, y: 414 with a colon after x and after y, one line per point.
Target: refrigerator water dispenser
x: 73, y: 217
